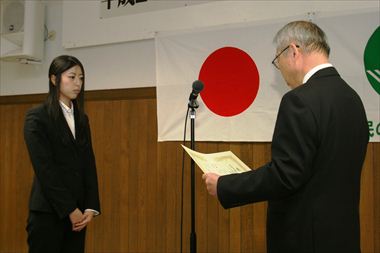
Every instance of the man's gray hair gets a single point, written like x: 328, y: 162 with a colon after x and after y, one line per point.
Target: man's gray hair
x: 306, y: 34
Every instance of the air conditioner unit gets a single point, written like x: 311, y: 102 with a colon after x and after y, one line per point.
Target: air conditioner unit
x: 22, y: 30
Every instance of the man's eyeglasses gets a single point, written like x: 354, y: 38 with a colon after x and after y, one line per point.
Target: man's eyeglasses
x: 275, y: 60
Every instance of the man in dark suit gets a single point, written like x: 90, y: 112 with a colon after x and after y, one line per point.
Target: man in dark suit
x: 312, y: 182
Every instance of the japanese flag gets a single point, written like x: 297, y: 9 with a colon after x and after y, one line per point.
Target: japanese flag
x: 242, y: 89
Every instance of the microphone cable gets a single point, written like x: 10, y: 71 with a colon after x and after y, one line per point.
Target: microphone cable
x: 182, y: 177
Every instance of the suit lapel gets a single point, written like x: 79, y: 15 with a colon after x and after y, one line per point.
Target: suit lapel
x: 67, y: 134
x: 78, y: 130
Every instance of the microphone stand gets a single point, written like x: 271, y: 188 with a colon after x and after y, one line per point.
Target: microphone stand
x: 193, y: 104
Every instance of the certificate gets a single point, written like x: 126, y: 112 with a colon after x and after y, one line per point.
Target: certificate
x: 221, y: 163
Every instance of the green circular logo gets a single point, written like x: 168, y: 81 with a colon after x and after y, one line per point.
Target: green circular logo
x: 372, y: 60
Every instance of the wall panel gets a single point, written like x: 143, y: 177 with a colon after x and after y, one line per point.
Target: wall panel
x: 140, y: 184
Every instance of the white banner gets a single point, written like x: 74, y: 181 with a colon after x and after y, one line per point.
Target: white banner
x: 114, y: 8
x: 243, y: 90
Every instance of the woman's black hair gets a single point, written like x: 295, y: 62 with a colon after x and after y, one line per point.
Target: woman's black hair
x: 59, y: 65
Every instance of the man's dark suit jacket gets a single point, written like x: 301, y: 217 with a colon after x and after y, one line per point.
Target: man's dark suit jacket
x: 65, y: 171
x: 312, y: 183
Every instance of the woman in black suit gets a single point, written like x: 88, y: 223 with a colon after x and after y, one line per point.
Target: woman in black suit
x: 64, y: 196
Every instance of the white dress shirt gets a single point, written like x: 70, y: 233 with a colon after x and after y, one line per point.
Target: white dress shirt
x: 69, y: 116
x: 314, y: 70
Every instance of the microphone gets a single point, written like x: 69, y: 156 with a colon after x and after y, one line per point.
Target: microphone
x: 197, y: 88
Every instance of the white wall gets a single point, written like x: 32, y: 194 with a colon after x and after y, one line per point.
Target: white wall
x: 121, y: 65
x: 129, y: 61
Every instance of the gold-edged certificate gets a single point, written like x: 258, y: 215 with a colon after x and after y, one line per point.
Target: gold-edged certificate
x: 221, y: 163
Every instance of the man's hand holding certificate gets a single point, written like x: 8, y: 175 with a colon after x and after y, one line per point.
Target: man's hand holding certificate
x: 222, y: 163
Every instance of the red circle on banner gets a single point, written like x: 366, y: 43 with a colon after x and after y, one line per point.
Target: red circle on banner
x: 231, y: 81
